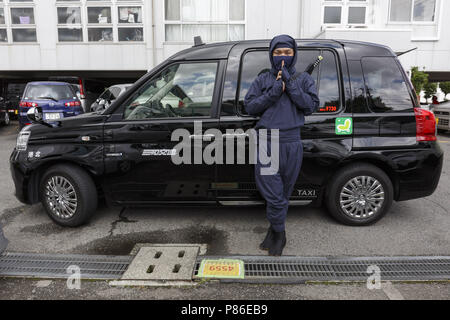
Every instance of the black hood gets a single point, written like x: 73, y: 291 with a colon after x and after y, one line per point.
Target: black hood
x: 288, y: 39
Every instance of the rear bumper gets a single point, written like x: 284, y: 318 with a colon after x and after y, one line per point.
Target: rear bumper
x: 444, y: 122
x: 422, y: 179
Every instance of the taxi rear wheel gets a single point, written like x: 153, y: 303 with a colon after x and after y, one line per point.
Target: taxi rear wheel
x: 68, y: 195
x: 359, y: 195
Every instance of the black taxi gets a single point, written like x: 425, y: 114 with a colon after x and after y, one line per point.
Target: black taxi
x: 368, y: 144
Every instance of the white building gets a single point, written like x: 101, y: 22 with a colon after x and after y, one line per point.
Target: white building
x: 127, y: 37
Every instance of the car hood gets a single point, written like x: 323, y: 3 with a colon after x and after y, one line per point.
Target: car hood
x: 66, y: 127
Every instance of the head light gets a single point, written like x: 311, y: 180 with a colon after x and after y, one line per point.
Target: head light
x: 22, y: 140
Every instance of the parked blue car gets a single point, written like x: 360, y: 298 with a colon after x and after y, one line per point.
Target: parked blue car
x: 57, y: 99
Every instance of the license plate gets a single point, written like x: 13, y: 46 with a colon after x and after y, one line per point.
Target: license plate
x: 223, y: 268
x: 52, y: 116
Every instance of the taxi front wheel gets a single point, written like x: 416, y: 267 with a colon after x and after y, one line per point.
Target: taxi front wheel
x: 68, y: 194
x: 359, y: 195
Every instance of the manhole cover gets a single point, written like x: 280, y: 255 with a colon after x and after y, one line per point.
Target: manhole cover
x: 163, y: 263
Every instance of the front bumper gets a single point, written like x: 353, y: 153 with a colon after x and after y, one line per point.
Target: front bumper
x: 20, y: 177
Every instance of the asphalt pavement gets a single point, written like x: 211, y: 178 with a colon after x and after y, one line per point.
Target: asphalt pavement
x: 417, y: 227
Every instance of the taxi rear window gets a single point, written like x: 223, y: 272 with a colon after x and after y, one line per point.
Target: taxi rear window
x: 387, y: 91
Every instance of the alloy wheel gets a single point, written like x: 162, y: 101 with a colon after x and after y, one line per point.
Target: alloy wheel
x: 61, y: 197
x: 361, y: 197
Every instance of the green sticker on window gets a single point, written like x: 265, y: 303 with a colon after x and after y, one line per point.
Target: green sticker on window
x: 344, y: 126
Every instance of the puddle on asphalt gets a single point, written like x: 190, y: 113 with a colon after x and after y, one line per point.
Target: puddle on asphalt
x: 45, y: 229
x: 8, y: 215
x: 122, y: 244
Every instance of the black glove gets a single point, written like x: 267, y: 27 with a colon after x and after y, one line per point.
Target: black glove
x: 276, y: 90
x: 285, y: 74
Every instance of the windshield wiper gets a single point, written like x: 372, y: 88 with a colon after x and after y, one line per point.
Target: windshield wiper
x: 51, y: 98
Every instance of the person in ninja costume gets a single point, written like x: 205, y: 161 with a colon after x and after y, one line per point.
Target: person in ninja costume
x: 281, y: 98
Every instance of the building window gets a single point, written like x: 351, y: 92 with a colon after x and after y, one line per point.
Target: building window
x: 412, y: 11
x: 23, y: 28
x: 69, y: 24
x: 99, y: 16
x: 345, y: 12
x: 100, y: 20
x: 3, y: 31
x: 130, y: 23
x: 213, y: 20
x: 17, y: 21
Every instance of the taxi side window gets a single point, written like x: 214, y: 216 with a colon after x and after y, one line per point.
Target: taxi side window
x: 325, y: 76
x: 180, y: 90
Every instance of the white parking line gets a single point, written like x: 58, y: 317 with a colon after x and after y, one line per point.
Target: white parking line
x: 43, y: 283
x: 391, y: 291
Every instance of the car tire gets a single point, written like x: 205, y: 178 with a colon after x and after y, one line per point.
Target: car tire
x: 366, y: 198
x: 68, y: 195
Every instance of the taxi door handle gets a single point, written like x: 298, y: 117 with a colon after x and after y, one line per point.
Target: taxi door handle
x: 109, y: 133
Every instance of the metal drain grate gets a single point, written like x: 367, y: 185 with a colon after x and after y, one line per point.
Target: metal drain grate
x: 262, y: 269
x: 294, y: 269
x: 55, y: 265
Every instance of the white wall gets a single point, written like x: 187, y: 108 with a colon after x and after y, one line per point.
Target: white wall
x: 265, y: 19
x: 48, y: 54
x: 432, y: 39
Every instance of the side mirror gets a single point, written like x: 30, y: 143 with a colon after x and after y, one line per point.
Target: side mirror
x: 35, y: 115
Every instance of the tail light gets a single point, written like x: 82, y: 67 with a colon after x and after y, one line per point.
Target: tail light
x: 27, y: 104
x: 426, y: 125
x: 81, y: 89
x: 73, y: 104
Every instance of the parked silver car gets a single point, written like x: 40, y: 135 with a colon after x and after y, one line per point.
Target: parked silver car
x: 109, y: 96
x: 442, y: 112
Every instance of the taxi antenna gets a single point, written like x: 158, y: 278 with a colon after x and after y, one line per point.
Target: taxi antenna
x: 198, y: 41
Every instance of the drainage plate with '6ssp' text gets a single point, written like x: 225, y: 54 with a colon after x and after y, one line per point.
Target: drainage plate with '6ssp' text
x: 222, y: 268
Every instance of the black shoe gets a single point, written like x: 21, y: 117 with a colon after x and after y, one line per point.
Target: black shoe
x: 278, y: 243
x: 265, y: 245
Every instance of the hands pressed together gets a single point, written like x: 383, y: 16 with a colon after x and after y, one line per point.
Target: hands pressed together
x: 280, y: 86
x: 283, y: 74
